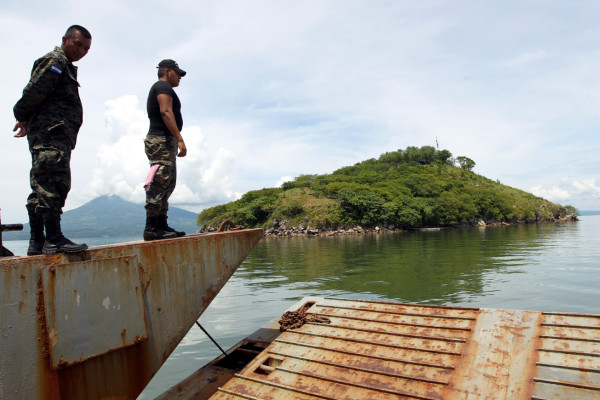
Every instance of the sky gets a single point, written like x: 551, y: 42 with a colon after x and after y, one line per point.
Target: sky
x: 277, y: 89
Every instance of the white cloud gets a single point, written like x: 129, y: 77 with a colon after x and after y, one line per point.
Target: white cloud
x: 204, y: 176
x: 208, y: 177
x: 124, y: 118
x: 288, y: 88
x: 570, y: 189
x: 554, y: 194
x: 586, y: 186
x: 121, y: 165
x: 283, y: 179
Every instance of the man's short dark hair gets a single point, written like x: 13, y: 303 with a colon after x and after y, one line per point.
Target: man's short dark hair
x: 161, y: 72
x: 74, y: 28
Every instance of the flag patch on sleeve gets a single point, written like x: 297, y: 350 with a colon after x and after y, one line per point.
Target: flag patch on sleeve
x: 56, y: 69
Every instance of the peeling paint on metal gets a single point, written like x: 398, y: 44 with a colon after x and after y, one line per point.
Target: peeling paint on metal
x: 384, y: 350
x: 178, y: 278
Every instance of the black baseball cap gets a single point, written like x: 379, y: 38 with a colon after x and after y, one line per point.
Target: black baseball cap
x: 171, y: 65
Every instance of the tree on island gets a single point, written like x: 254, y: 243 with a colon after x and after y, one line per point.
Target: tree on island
x: 465, y: 163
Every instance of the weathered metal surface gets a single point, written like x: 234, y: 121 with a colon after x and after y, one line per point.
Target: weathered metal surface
x: 87, y: 314
x: 379, y: 350
x: 499, y: 361
x: 175, y: 280
x: 568, y: 365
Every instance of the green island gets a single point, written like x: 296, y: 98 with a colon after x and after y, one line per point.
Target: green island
x: 404, y: 189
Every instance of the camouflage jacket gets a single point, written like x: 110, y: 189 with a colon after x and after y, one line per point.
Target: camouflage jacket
x: 51, y: 98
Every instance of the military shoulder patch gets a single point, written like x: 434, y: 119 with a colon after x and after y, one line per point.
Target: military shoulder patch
x: 56, y: 69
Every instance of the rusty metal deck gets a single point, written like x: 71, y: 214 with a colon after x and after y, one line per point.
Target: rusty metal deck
x: 380, y: 350
x: 100, y: 323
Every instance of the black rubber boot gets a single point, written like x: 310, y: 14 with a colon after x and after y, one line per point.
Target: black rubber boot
x: 36, y: 241
x: 152, y: 230
x: 162, y: 223
x: 55, y: 241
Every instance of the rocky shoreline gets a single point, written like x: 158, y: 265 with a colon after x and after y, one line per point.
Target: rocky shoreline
x: 281, y: 229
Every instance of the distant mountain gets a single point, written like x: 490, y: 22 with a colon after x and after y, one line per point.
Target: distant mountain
x: 107, y: 216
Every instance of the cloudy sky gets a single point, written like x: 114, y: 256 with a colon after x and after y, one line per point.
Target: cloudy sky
x: 276, y: 89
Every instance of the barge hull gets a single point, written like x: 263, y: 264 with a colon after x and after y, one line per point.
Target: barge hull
x: 99, y: 324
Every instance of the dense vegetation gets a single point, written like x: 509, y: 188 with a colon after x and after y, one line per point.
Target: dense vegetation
x: 411, y: 188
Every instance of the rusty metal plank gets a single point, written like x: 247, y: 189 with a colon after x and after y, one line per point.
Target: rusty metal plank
x: 423, y: 353
x: 418, y: 310
x: 253, y: 389
x: 585, y: 334
x: 402, y: 315
x: 425, y: 321
x: 408, y: 356
x: 574, y: 346
x: 392, y: 341
x: 87, y: 314
x: 379, y: 355
x: 370, y: 303
x: 556, y: 391
x: 350, y: 357
x: 354, y: 363
x: 229, y: 395
x: 295, y: 386
x: 586, y: 378
x: 575, y: 320
x: 296, y: 373
x: 358, y: 323
x: 569, y: 360
x: 498, y: 362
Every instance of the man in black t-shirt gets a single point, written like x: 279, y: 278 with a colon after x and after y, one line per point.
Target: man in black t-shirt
x: 163, y: 145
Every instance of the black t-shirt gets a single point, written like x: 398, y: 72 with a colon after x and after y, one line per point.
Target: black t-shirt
x: 157, y: 124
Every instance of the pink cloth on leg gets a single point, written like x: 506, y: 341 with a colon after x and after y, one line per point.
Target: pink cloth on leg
x: 151, y: 173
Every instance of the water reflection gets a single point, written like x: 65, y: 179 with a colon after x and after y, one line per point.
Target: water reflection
x: 442, y: 267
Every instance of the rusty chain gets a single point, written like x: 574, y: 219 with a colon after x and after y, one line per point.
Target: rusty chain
x: 295, y: 319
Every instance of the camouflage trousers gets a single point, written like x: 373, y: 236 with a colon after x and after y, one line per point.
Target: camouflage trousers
x: 163, y: 151
x: 50, y: 175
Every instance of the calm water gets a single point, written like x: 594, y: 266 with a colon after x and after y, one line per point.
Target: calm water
x: 536, y: 267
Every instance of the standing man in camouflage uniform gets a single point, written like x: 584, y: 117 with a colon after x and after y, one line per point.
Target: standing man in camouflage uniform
x: 50, y: 114
x: 163, y: 145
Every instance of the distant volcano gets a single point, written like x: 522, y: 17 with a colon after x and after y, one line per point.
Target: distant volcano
x: 111, y: 216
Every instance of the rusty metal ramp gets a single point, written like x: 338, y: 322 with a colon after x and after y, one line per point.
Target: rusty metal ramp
x: 350, y: 349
